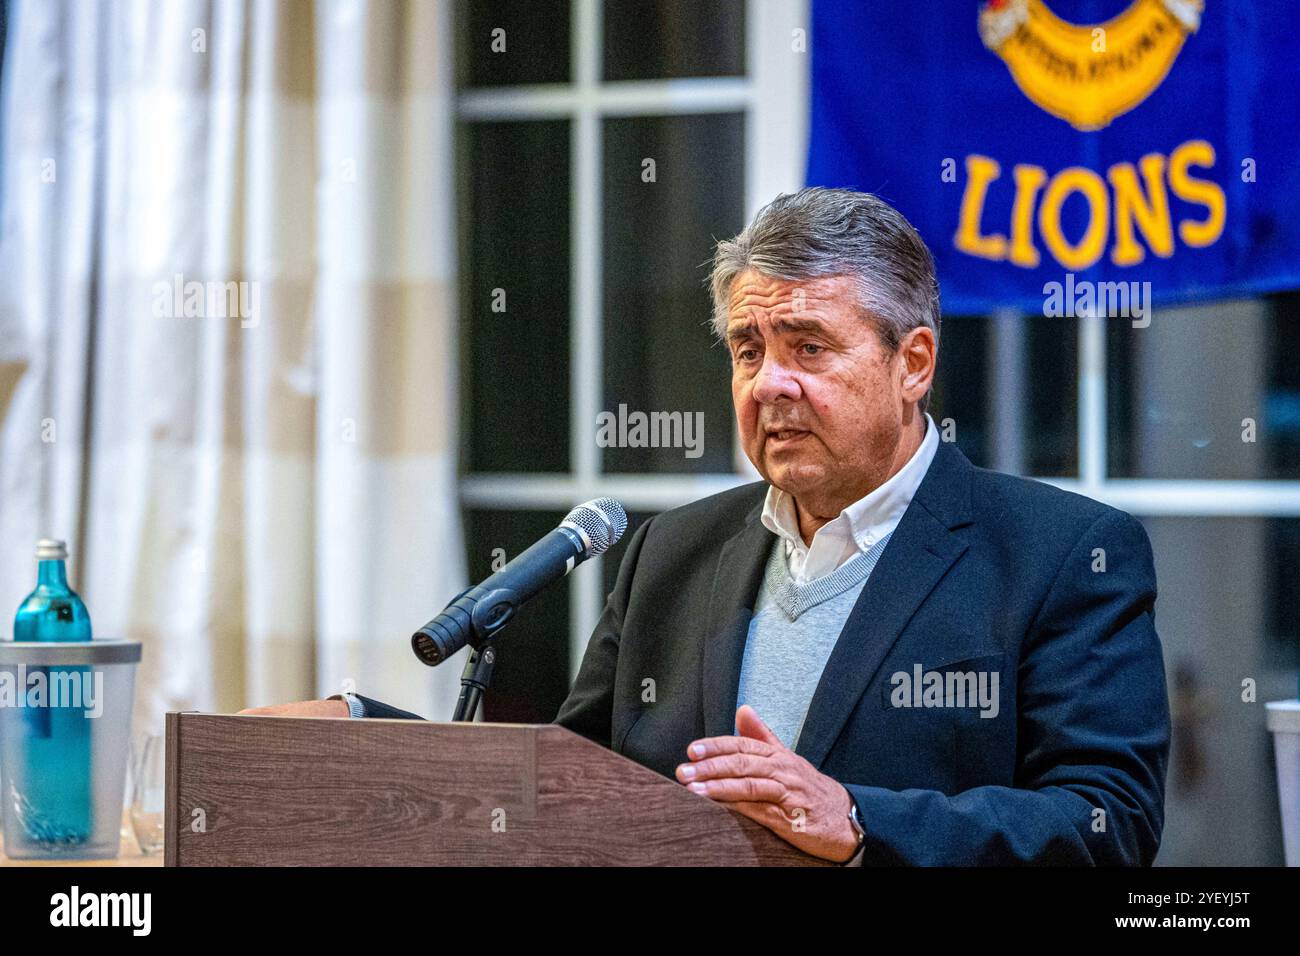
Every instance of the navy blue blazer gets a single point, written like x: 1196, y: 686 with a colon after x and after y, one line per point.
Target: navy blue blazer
x: 986, y: 573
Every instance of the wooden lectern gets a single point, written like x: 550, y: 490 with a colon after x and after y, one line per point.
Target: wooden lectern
x: 294, y: 791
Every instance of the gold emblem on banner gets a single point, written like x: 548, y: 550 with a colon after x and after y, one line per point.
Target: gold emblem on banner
x: 1087, y: 74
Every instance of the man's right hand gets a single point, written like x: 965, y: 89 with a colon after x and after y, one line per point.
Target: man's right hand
x: 301, y: 708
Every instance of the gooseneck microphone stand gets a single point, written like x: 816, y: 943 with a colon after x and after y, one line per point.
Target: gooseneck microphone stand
x: 490, y: 612
x: 474, y: 680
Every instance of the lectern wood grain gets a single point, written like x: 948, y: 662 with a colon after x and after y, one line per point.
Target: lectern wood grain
x: 246, y: 790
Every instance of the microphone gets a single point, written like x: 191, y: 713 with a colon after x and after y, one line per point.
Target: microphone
x: 480, y: 612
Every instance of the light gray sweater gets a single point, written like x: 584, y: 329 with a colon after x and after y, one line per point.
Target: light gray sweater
x: 792, y: 634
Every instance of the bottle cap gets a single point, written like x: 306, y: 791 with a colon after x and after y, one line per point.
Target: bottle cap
x: 51, y: 549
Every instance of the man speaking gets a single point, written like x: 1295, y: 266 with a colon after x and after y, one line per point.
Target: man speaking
x: 880, y: 652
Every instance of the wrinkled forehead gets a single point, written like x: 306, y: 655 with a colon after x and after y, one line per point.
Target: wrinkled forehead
x: 763, y: 300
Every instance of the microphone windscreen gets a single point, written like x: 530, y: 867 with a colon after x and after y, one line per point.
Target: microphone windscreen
x: 603, y: 520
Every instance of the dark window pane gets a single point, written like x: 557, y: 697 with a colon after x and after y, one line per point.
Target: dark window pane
x: 654, y: 39
x: 659, y: 351
x: 531, y: 678
x: 1009, y: 384
x: 1282, y: 402
x: 1283, y: 594
x: 536, y: 38
x: 1209, y: 392
x: 516, y: 237
x: 960, y: 385
x: 1119, y: 401
x: 1049, y: 399
x: 1225, y: 613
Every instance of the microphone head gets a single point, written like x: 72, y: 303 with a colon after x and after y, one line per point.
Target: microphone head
x: 601, y: 520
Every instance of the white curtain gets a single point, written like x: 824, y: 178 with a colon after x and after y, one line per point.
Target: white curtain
x: 227, y: 371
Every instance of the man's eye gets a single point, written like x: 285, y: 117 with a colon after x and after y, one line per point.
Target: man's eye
x: 816, y: 349
x: 746, y: 355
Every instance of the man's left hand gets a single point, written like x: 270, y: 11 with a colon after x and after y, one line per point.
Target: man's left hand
x: 757, y: 775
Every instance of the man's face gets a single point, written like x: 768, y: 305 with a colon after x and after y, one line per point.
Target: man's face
x: 821, y: 403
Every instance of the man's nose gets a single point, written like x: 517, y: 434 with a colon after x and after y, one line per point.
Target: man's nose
x: 773, y: 381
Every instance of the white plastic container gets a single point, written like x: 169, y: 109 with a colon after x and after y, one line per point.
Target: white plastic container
x: 63, y: 752
x: 1284, y: 723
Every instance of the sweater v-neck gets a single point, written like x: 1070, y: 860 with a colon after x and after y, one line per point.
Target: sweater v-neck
x: 794, y: 599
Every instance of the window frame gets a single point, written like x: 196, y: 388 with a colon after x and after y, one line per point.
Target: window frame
x: 774, y: 98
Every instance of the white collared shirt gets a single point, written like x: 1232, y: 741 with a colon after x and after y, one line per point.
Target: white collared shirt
x: 857, y: 527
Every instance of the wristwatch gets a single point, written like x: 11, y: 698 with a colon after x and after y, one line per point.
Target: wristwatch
x: 856, y: 822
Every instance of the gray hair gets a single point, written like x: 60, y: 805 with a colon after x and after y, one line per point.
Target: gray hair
x: 818, y: 232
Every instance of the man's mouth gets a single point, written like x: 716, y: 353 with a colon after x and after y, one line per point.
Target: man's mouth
x: 785, y: 436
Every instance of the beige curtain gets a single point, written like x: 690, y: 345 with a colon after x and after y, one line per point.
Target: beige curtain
x: 228, y: 332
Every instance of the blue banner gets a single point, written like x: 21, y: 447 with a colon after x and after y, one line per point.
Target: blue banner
x: 1035, y: 142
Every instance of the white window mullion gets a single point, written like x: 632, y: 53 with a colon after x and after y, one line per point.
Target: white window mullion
x: 776, y: 123
x: 1092, y: 405
x: 1192, y: 498
x: 559, y: 492
x: 1007, y: 391
x: 624, y: 98
x: 586, y: 352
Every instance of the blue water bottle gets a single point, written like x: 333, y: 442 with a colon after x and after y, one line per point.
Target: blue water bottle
x: 57, y: 805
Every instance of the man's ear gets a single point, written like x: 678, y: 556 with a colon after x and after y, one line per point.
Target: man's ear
x: 920, y: 356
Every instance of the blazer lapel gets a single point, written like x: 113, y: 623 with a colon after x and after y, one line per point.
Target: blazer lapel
x: 919, y: 553
x: 735, y: 590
